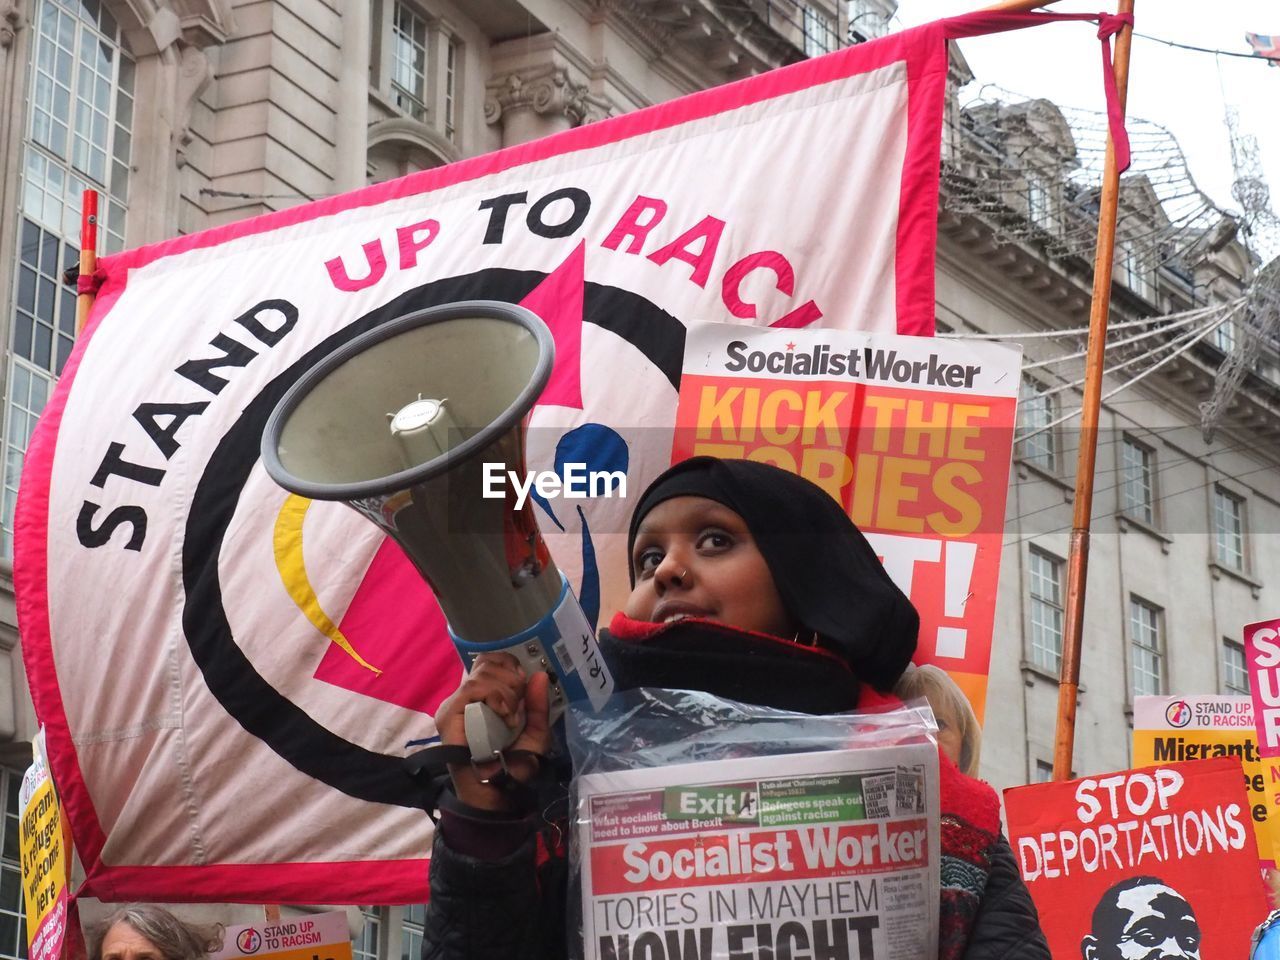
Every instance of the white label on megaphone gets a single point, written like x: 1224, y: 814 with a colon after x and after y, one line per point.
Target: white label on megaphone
x: 577, y: 651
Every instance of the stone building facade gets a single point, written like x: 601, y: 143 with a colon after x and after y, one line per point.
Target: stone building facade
x: 187, y: 114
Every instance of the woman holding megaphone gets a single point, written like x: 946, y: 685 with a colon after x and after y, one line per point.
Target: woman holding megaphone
x: 749, y: 583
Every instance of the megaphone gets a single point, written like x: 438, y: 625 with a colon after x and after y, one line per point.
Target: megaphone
x: 399, y: 425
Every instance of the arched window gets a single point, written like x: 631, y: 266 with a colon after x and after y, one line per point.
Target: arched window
x: 77, y: 137
x: 400, y: 146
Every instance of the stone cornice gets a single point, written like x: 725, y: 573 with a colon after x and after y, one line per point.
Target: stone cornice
x: 546, y: 89
x: 155, y: 26
x: 205, y: 23
x: 1255, y: 410
x: 727, y: 37
x: 638, y: 20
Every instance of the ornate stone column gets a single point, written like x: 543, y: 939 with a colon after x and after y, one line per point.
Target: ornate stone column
x: 173, y: 69
x: 540, y: 86
x: 353, y: 97
x: 13, y: 111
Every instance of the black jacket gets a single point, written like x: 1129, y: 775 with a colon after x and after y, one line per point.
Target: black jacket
x: 1008, y: 924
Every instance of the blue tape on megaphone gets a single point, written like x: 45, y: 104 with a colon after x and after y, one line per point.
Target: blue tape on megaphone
x: 564, y: 644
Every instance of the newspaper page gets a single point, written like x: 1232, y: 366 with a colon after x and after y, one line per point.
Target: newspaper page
x: 830, y: 854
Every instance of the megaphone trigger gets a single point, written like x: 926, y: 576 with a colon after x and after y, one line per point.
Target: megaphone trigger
x: 487, y: 733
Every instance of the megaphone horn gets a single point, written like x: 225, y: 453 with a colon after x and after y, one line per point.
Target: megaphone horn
x: 399, y: 424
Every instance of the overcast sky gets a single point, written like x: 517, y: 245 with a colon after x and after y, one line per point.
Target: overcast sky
x: 1185, y: 91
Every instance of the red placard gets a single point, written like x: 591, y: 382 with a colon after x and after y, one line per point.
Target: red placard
x: 1158, y: 860
x: 912, y: 437
x: 1262, y: 652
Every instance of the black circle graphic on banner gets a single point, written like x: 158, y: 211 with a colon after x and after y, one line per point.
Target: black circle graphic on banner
x: 230, y: 676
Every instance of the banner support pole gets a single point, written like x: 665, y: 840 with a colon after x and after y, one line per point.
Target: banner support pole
x: 1078, y: 558
x: 88, y: 253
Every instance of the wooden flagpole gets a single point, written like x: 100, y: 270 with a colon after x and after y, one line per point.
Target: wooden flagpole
x: 1078, y: 558
x: 88, y: 253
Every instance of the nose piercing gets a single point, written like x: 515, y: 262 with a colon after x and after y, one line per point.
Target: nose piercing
x: 683, y: 575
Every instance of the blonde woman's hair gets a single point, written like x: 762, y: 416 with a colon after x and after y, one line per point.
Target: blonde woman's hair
x: 947, y: 700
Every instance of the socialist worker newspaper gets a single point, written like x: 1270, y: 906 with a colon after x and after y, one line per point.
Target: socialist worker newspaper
x: 828, y: 855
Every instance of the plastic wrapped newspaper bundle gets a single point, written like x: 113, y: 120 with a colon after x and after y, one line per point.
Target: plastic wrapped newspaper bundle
x: 708, y: 829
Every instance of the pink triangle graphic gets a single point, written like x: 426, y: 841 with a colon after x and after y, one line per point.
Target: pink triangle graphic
x: 393, y: 619
x: 396, y: 624
x: 558, y: 301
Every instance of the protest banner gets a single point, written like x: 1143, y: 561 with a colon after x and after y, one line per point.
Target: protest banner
x: 274, y: 659
x: 1262, y: 654
x: 44, y: 858
x: 817, y: 854
x: 1169, y: 729
x: 912, y: 437
x: 318, y: 936
x: 1159, y: 856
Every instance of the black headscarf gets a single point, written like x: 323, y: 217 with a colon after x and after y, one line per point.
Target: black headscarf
x: 828, y: 576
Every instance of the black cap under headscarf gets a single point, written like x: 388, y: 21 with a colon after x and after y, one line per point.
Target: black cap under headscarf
x: 828, y: 576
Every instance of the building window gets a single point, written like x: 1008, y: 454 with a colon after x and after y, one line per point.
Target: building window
x: 1044, y: 772
x: 415, y: 916
x: 1045, y: 581
x: 416, y: 64
x: 1146, y: 648
x: 1137, y: 481
x: 866, y: 20
x: 13, y: 915
x: 409, y: 62
x: 1134, y: 271
x: 450, y: 87
x: 1224, y: 335
x: 81, y: 140
x: 368, y: 945
x: 1037, y: 411
x: 1039, y: 211
x: 1228, y: 528
x: 28, y: 391
x: 819, y: 33
x: 1235, y: 675
x: 78, y: 138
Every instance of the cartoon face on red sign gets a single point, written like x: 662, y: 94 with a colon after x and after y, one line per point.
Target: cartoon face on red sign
x: 1142, y: 864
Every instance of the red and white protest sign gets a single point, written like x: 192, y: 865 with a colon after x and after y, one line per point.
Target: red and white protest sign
x: 1160, y: 857
x: 229, y: 676
x: 1262, y: 654
x: 911, y: 436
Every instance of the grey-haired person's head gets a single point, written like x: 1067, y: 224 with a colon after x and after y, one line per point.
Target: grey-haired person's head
x: 171, y: 938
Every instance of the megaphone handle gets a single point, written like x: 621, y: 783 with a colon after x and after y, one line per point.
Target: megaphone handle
x: 487, y: 734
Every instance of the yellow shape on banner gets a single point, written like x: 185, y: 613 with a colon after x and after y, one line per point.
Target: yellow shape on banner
x: 287, y: 542
x: 1262, y: 776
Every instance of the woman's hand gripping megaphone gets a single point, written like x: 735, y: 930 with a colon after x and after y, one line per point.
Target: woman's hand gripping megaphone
x: 521, y: 701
